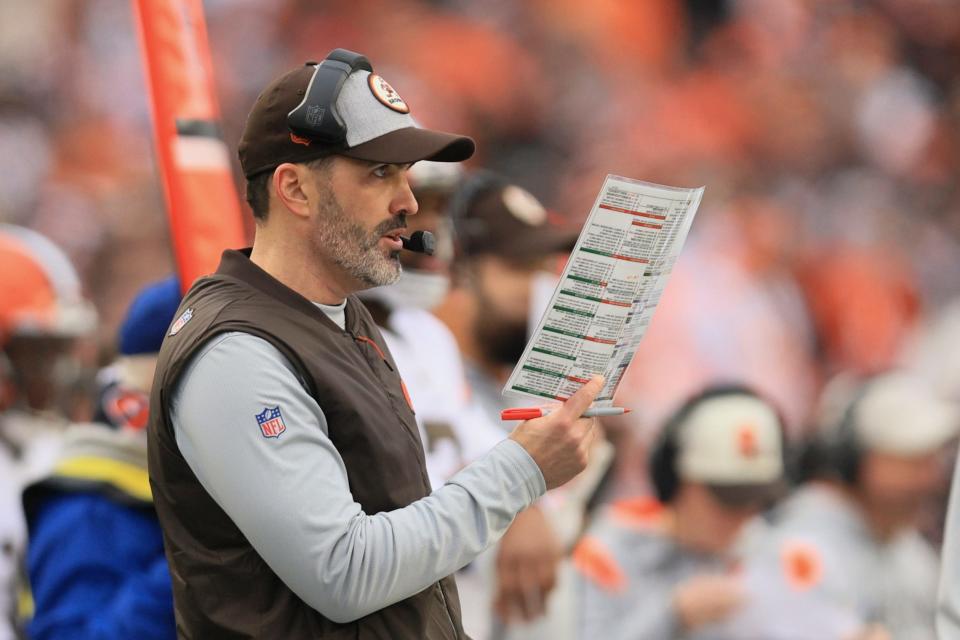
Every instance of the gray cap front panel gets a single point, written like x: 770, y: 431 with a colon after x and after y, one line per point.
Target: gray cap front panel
x: 366, y: 117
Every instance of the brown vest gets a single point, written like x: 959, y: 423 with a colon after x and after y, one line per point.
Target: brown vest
x: 222, y: 588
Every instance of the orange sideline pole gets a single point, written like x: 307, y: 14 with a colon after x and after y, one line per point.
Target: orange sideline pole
x: 202, y: 205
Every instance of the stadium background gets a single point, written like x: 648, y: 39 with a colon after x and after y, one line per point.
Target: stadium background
x: 826, y: 133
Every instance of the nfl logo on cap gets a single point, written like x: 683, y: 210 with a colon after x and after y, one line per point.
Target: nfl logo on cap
x: 271, y: 422
x: 315, y: 114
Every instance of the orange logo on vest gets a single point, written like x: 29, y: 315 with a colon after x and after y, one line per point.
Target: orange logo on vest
x: 595, y: 562
x: 747, y: 441
x: 801, y: 565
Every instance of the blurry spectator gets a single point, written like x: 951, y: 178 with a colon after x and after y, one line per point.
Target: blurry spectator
x: 788, y: 98
x: 863, y: 303
x: 46, y: 313
x: 42, y: 313
x: 95, y: 560
x: 731, y: 311
x: 935, y: 355
x: 849, y: 534
x: 453, y: 428
x: 504, y: 239
x: 12, y: 529
x: 934, y: 351
x: 664, y: 568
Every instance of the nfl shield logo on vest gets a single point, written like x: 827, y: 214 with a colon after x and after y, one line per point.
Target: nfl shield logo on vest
x: 181, y: 321
x: 271, y: 422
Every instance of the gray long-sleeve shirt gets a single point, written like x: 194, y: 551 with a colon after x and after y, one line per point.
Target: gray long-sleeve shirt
x: 858, y: 579
x: 948, y: 599
x: 643, y: 566
x: 290, y: 497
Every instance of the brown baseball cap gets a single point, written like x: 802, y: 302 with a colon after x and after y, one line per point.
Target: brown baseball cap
x: 493, y: 216
x: 378, y: 124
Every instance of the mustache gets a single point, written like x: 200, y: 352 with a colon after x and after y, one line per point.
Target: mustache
x: 396, y: 222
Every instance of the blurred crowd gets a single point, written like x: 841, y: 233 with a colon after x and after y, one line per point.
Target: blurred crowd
x: 824, y: 257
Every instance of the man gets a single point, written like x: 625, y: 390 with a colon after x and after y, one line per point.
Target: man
x: 425, y: 279
x: 874, y: 469
x: 455, y: 363
x: 427, y: 355
x: 659, y: 569
x: 505, y: 238
x: 42, y: 315
x: 509, y: 247
x: 99, y: 490
x: 284, y: 457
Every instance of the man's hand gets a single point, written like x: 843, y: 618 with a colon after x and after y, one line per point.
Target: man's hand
x: 526, y: 567
x: 706, y: 598
x: 560, y: 442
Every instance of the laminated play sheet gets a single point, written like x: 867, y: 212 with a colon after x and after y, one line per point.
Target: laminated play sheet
x: 608, y: 291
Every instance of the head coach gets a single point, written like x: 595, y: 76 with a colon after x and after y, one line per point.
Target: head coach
x: 285, y: 462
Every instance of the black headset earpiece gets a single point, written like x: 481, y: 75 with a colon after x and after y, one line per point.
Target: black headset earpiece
x: 835, y: 452
x: 663, y: 475
x: 844, y: 448
x: 663, y: 456
x: 317, y: 117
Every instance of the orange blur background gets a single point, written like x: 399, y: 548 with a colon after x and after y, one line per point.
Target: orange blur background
x: 825, y: 131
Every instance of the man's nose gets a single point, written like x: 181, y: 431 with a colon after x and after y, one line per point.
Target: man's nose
x: 404, y: 202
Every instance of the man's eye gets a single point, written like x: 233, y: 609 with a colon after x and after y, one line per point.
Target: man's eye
x: 381, y: 171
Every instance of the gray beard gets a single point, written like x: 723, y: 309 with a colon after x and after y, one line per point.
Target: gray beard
x: 354, y: 249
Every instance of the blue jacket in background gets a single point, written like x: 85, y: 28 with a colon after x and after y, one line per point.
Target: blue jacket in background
x: 95, y: 557
x: 97, y: 570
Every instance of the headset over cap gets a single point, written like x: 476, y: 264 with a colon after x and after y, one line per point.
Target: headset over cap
x: 727, y: 438
x: 339, y: 107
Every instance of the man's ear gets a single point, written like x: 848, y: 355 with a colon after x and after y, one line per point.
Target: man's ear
x: 291, y: 188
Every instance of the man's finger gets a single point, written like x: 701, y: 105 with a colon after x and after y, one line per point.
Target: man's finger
x: 501, y: 607
x: 547, y: 572
x: 509, y: 586
x: 534, y: 604
x: 530, y: 597
x: 520, y: 595
x: 512, y: 601
x: 581, y: 400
